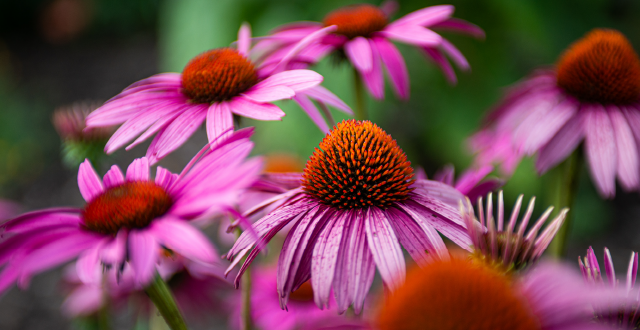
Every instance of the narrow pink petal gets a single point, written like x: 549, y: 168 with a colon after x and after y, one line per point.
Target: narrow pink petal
x: 83, y: 301
x: 323, y: 95
x: 310, y: 39
x: 413, y: 35
x: 441, y: 62
x: 244, y: 39
x: 143, y: 253
x: 628, y: 167
x: 159, y: 125
x: 185, y: 239
x: 385, y: 248
x: 562, y: 144
x: 138, y: 170
x: 420, y: 241
x: 358, y: 51
x: 164, y: 177
x: 313, y: 112
x: 269, y: 94
x: 600, y: 147
x: 260, y: 111
x: 454, y: 54
x: 176, y: 133
x: 114, y: 252
x: 325, y: 255
x: 219, y: 122
x: 88, y: 266
x: 113, y: 177
x: 471, y: 177
x: 297, y: 80
x: 374, y: 79
x: 426, y: 16
x: 58, y: 252
x: 548, y: 126
x: 121, y: 110
x: 396, y: 67
x: 460, y: 26
x: 89, y: 182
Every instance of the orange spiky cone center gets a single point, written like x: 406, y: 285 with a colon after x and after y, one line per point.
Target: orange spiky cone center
x: 456, y: 295
x: 218, y: 75
x: 357, y: 20
x: 358, y: 165
x: 601, y: 67
x: 129, y: 205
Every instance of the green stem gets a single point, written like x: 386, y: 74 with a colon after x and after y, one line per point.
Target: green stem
x: 361, y: 108
x: 159, y: 293
x: 565, y: 187
x: 247, y: 322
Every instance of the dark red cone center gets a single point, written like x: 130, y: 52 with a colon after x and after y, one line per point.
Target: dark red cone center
x: 357, y: 20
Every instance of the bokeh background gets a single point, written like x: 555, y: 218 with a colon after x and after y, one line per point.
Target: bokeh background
x: 56, y: 52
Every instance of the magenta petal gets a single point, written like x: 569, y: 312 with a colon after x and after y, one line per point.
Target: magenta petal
x: 562, y: 144
x: 50, y: 218
x: 419, y: 240
x: 114, y: 252
x: 601, y: 149
x: 374, y: 79
x: 179, y: 236
x: 219, y: 122
x: 58, y: 252
x: 546, y: 127
x: 358, y: 51
x: 323, y: 95
x: 325, y: 255
x: 269, y: 94
x: 297, y: 80
x: 385, y: 248
x: 441, y: 62
x: 159, y: 125
x: 138, y: 170
x: 143, y: 253
x: 260, y: 111
x: 113, y: 177
x: 396, y: 67
x: 413, y: 35
x: 460, y: 26
x: 244, y: 39
x: 176, y: 133
x: 628, y: 168
x: 88, y: 266
x: 313, y: 112
x: 164, y: 178
x: 426, y: 16
x: 89, y: 182
x: 84, y: 300
x: 455, y: 54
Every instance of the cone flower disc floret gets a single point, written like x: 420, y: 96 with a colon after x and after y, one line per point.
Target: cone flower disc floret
x: 355, y: 205
x: 130, y: 219
x: 591, y: 96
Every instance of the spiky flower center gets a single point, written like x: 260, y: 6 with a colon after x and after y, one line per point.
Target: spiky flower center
x: 303, y: 294
x: 357, y: 20
x: 601, y: 67
x: 358, y: 165
x: 218, y: 75
x: 129, y: 205
x: 456, y: 294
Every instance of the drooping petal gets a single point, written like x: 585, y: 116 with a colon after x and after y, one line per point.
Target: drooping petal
x: 219, y: 122
x: 176, y: 133
x: 546, y: 127
x: 601, y: 149
x: 312, y: 111
x: 396, y: 67
x: 420, y: 240
x: 385, y: 248
x: 413, y: 35
x: 325, y: 255
x: 260, y: 111
x: 441, y: 62
x: 426, y: 16
x: 628, y: 167
x: 143, y: 253
x: 324, y: 95
x: 374, y: 79
x: 454, y: 54
x: 89, y: 182
x: 358, y: 51
x: 179, y: 236
x: 84, y: 300
x: 562, y: 144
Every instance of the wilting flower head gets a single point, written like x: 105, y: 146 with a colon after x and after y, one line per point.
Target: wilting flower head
x: 592, y: 95
x: 301, y: 314
x: 213, y: 86
x: 364, y: 33
x: 506, y: 247
x: 357, y: 204
x: 629, y: 316
x: 459, y: 294
x: 130, y: 218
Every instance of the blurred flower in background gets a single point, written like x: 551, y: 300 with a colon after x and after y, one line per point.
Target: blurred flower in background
x: 63, y: 21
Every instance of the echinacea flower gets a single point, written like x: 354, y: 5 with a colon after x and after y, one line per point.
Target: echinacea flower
x: 592, y: 95
x: 364, y: 35
x: 356, y: 206
x: 301, y: 314
x: 629, y: 316
x: 459, y: 294
x: 130, y: 218
x: 506, y: 247
x: 213, y: 87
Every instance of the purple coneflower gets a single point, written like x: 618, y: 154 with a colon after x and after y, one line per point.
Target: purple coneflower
x: 213, y: 86
x: 363, y: 34
x: 357, y: 204
x: 459, y: 294
x: 301, y: 314
x: 593, y: 95
x: 130, y: 218
x: 506, y: 247
x: 629, y: 316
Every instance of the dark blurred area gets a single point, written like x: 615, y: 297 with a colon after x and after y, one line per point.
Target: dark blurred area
x: 55, y: 53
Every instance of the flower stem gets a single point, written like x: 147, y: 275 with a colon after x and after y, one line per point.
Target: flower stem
x: 161, y: 296
x: 361, y: 108
x: 247, y: 322
x: 565, y: 187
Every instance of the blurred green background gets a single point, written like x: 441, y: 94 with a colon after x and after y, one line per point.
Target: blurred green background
x: 55, y: 52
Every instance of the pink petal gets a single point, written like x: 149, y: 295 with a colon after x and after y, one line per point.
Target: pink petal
x: 628, y: 168
x: 310, y: 39
x: 358, y: 51
x: 138, y: 170
x: 58, y: 252
x: 418, y: 242
x: 164, y: 177
x: 385, y: 248
x: 114, y: 252
x: 325, y: 255
x: 562, y: 144
x: 374, y: 79
x: 83, y: 301
x: 323, y: 95
x: 441, y: 62
x: 89, y: 182
x: 244, y: 39
x: 185, y: 239
x: 413, y: 35
x: 460, y: 26
x: 176, y: 133
x: 297, y: 80
x: 601, y: 149
x: 313, y: 112
x: 396, y: 67
x: 548, y: 126
x: 219, y: 122
x: 269, y: 94
x: 426, y: 16
x: 113, y: 177
x: 260, y: 111
x: 88, y: 266
x: 160, y: 124
x: 143, y: 253
x: 454, y: 54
